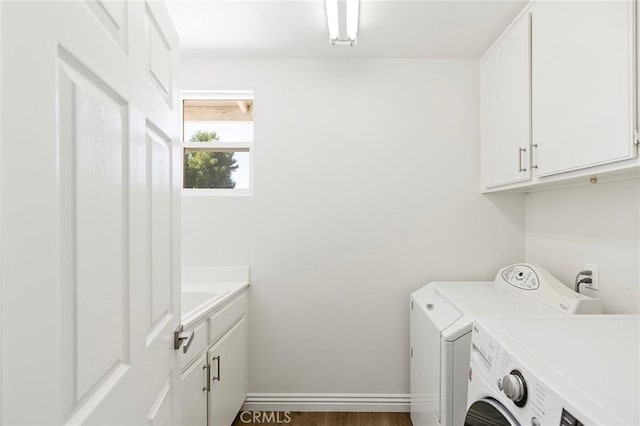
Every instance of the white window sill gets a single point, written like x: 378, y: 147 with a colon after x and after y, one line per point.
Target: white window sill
x: 216, y: 192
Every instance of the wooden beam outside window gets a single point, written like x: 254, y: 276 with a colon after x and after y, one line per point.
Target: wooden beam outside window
x: 206, y: 110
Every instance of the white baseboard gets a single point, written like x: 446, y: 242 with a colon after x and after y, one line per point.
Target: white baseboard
x: 362, y: 402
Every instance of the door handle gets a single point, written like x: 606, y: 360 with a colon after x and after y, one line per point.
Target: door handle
x: 207, y: 386
x: 180, y: 336
x: 520, y: 151
x: 217, y: 376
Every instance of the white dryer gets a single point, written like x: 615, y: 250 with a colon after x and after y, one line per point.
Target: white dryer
x: 442, y: 314
x: 581, y: 370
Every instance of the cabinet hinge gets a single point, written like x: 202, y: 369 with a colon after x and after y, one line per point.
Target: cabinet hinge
x: 412, y: 305
x: 411, y: 352
x: 636, y: 137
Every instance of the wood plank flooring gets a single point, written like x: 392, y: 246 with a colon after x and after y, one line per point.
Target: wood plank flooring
x: 324, y: 419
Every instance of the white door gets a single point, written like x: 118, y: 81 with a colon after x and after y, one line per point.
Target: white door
x: 90, y: 185
x: 583, y: 80
x: 505, y: 85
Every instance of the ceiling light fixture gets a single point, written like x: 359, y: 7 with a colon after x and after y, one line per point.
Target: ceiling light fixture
x: 333, y: 21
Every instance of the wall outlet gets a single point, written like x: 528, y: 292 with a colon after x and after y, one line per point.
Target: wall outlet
x: 595, y: 282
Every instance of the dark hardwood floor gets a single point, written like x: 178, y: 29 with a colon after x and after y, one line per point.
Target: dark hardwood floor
x: 322, y: 419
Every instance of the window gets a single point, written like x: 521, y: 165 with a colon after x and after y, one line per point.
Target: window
x: 217, y: 134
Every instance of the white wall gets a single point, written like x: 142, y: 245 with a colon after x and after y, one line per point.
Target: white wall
x: 366, y: 187
x: 596, y: 224
x: 1, y: 233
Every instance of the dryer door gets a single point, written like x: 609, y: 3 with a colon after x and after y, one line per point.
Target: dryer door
x: 488, y: 412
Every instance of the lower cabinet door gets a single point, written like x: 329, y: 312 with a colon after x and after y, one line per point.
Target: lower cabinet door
x: 229, y: 361
x: 194, y: 394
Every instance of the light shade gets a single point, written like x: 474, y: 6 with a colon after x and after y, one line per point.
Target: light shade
x: 353, y: 12
x: 332, y: 18
x: 352, y: 20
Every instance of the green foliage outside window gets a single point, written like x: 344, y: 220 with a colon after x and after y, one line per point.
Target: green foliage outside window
x: 208, y: 169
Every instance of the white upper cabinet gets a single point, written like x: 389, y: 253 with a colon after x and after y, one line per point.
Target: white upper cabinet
x: 558, y: 97
x: 582, y: 84
x: 505, y: 87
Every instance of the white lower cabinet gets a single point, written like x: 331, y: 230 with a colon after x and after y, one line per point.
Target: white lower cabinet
x: 229, y: 379
x: 215, y: 376
x: 194, y: 393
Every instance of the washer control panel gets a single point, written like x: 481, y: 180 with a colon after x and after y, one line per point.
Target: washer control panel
x: 537, y: 283
x: 521, y: 276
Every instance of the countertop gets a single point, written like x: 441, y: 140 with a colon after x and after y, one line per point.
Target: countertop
x: 200, y: 299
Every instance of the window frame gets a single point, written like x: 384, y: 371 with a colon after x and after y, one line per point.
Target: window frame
x: 215, y: 95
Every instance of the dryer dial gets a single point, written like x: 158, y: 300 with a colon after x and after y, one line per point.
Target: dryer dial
x: 515, y: 388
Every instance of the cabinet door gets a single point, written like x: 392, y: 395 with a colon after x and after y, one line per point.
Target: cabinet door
x: 505, y: 108
x: 229, y: 362
x: 582, y: 93
x: 194, y: 394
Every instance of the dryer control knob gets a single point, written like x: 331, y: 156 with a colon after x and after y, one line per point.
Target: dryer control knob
x: 515, y: 388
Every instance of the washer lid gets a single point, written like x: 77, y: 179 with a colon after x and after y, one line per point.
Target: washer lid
x: 483, y: 298
x: 440, y: 311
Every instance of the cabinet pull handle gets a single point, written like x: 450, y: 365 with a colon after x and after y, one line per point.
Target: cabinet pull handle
x: 533, y: 166
x: 520, y: 151
x: 208, y: 368
x: 217, y: 376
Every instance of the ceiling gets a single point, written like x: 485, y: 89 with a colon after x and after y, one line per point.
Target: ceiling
x: 298, y: 29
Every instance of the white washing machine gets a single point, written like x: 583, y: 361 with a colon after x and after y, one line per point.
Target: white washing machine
x: 442, y: 314
x: 581, y: 370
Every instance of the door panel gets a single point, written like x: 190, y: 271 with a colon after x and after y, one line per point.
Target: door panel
x: 159, y: 164
x: 161, y: 412
x: 98, y: 277
x: 229, y: 392
x: 582, y: 92
x: 91, y: 133
x: 194, y: 396
x: 505, y: 77
x: 159, y: 53
x: 112, y: 15
x: 91, y: 192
